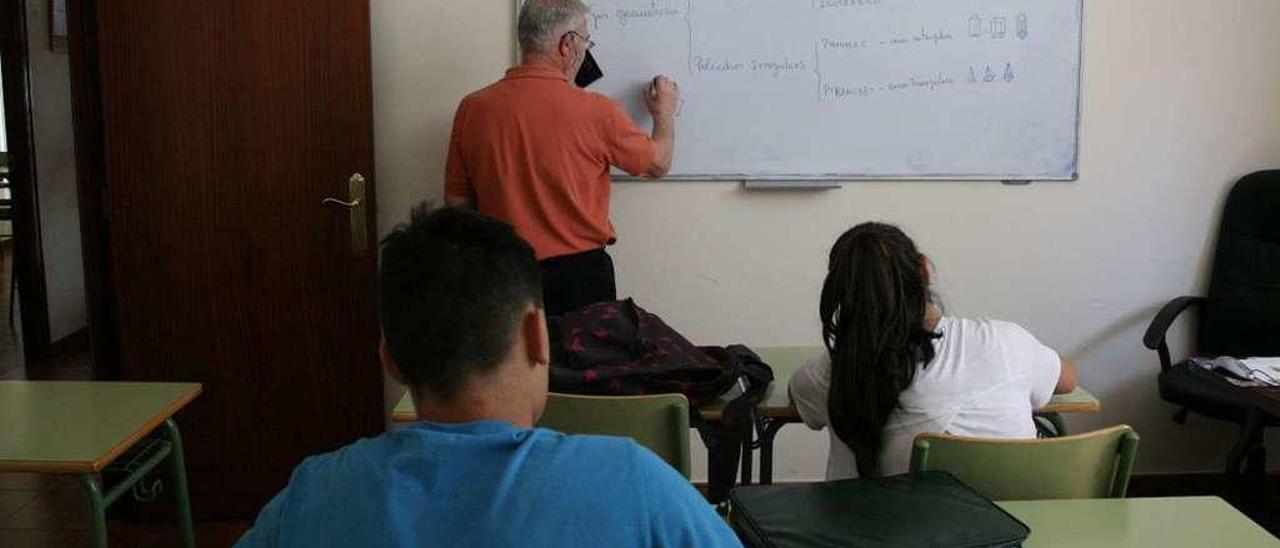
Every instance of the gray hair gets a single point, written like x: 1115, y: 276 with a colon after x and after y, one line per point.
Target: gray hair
x: 540, y: 20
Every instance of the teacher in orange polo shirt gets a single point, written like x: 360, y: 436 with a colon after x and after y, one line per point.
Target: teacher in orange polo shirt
x: 534, y: 150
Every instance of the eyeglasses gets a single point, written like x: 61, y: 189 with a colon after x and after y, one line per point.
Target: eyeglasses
x: 590, y: 43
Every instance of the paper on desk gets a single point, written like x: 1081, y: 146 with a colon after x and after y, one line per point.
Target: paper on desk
x: 1264, y: 370
x: 1244, y: 372
x: 1270, y: 365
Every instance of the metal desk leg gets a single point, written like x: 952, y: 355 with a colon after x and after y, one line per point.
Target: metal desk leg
x: 178, y: 469
x: 747, y: 446
x: 1055, y: 420
x: 141, y: 464
x: 1247, y: 478
x: 97, y: 509
x: 768, y: 431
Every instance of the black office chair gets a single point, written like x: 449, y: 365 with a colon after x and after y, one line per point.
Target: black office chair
x: 1239, y: 317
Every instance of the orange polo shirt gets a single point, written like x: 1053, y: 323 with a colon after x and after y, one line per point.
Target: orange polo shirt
x: 534, y: 150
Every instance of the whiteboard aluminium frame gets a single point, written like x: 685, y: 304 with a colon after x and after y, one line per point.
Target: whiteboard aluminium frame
x: 832, y: 180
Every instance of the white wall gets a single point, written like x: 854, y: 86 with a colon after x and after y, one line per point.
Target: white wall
x: 1181, y: 97
x: 55, y: 176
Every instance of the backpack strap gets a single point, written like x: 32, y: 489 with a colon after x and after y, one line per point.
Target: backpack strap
x: 724, y: 439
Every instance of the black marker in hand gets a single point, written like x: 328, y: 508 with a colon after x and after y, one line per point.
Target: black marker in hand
x: 661, y: 96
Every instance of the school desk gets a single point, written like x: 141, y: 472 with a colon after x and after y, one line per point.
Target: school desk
x: 819, y: 514
x: 84, y: 428
x: 1138, y: 522
x: 776, y: 411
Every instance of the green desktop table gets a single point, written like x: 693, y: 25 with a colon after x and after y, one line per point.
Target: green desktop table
x: 1138, y: 522
x: 776, y: 411
x: 83, y: 427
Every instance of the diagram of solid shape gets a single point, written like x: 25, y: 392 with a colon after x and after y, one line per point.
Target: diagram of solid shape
x: 998, y: 28
x: 1022, y: 26
x: 989, y: 76
x: 1008, y: 73
x: 975, y: 26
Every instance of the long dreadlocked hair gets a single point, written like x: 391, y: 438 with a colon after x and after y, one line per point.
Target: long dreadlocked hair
x: 873, y: 307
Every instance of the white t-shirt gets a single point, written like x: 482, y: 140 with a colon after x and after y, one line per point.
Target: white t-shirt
x: 985, y: 380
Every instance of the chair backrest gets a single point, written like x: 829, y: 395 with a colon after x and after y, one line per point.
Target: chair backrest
x: 1241, y: 316
x: 1092, y: 465
x: 659, y: 422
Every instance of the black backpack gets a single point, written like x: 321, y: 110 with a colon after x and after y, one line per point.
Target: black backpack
x: 617, y: 348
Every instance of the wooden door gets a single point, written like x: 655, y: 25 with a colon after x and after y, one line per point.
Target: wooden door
x: 225, y: 124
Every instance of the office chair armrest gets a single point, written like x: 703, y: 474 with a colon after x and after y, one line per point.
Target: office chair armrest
x: 1155, y: 335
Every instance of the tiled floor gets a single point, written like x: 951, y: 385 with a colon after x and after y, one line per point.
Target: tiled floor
x: 10, y: 345
x: 49, y: 511
x: 68, y: 367
x: 40, y: 511
x: 10, y: 356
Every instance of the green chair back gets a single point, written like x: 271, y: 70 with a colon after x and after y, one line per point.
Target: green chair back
x: 659, y: 422
x: 1092, y: 465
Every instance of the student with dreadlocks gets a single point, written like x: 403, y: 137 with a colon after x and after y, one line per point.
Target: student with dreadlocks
x: 896, y: 367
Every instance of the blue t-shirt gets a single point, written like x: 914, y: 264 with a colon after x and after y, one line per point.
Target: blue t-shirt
x: 487, y: 484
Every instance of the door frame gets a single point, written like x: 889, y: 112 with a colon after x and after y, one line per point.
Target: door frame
x: 91, y: 184
x: 28, y: 251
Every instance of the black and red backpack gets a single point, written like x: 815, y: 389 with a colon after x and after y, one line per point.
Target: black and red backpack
x: 617, y: 348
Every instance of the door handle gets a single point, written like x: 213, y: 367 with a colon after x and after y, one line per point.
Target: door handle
x: 335, y: 201
x: 355, y: 210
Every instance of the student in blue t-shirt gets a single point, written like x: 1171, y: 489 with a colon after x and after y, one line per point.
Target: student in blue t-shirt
x: 464, y: 330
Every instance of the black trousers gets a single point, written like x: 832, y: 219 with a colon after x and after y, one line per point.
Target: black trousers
x: 570, y: 282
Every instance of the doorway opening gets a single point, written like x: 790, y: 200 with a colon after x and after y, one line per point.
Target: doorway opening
x: 43, y: 318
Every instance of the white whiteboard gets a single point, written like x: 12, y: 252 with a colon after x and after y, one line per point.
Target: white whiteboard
x: 854, y: 89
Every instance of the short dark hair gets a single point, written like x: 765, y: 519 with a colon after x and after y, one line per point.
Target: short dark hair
x: 453, y: 286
